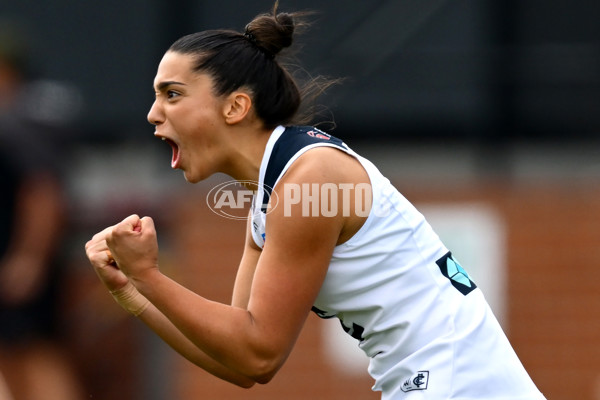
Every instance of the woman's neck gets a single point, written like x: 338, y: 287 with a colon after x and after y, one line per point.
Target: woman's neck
x: 246, y: 153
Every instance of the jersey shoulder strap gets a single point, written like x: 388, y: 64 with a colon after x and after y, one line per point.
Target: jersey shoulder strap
x: 292, y: 141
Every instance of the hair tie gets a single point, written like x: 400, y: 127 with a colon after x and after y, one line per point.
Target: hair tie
x: 252, y: 39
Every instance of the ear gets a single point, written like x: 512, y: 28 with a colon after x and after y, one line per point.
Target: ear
x: 236, y: 107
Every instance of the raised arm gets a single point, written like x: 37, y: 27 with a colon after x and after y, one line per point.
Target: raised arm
x: 165, y: 329
x: 116, y: 282
x: 256, y: 339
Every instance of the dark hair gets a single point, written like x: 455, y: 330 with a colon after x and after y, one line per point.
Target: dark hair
x: 249, y: 60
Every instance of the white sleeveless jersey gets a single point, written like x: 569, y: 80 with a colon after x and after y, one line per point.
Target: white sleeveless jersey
x: 426, y: 327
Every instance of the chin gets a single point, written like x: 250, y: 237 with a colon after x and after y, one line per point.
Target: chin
x: 191, y: 178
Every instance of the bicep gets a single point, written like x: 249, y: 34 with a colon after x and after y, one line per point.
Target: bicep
x: 290, y: 273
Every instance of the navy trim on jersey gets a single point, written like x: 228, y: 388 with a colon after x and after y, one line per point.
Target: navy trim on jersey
x: 292, y: 140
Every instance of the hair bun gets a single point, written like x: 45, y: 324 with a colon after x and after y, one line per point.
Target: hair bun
x: 271, y: 33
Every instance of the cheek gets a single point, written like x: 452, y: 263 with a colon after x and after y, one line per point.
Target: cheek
x: 196, y: 124
x: 202, y: 125
x: 195, y: 115
x: 184, y: 122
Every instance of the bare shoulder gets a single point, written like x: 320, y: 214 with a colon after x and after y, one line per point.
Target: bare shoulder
x: 326, y: 164
x: 327, y: 185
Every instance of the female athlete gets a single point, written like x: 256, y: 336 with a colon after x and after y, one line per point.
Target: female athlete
x: 225, y: 104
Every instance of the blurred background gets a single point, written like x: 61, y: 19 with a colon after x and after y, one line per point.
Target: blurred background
x: 485, y: 114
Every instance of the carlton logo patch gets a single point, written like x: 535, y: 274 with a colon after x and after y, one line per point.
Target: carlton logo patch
x: 418, y: 381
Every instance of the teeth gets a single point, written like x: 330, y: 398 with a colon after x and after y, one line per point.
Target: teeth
x: 163, y: 139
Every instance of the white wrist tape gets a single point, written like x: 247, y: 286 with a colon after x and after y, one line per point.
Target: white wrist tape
x: 130, y: 299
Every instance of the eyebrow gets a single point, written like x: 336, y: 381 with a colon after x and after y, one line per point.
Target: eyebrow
x: 163, y: 85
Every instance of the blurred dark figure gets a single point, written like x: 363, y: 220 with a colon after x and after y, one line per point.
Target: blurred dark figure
x: 32, y: 215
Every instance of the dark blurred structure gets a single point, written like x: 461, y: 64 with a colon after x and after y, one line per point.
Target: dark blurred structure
x: 33, y: 359
x: 469, y: 70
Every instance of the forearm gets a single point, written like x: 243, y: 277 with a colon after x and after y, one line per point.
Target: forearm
x: 253, y: 341
x: 227, y: 334
x: 165, y: 329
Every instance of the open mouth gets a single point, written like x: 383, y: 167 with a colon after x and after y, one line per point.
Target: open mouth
x: 175, y: 148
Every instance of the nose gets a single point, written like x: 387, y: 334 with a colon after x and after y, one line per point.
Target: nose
x: 155, y: 115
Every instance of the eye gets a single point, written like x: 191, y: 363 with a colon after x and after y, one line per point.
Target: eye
x: 171, y: 94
